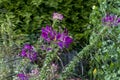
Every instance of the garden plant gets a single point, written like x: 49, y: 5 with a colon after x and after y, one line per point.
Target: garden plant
x: 59, y: 39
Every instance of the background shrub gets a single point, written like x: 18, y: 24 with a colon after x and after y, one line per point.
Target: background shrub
x: 29, y: 16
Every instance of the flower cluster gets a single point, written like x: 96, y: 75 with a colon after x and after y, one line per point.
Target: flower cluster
x: 29, y: 52
x: 48, y: 33
x: 22, y: 76
x: 57, y: 16
x: 61, y: 39
x: 111, y: 20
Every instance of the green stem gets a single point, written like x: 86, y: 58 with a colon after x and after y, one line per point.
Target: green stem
x: 54, y: 22
x: 45, y: 70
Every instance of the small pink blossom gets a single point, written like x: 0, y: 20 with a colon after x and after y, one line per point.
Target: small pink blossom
x: 57, y: 16
x: 54, y: 67
x: 34, y: 72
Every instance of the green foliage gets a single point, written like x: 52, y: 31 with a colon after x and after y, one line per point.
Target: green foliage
x: 21, y: 22
x: 105, y: 56
x: 31, y: 15
x: 103, y: 51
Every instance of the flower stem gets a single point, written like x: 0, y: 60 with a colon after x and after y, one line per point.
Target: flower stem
x: 54, y: 22
x: 45, y: 70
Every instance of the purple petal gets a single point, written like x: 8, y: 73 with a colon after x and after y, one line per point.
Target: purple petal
x: 118, y: 20
x: 65, y: 31
x: 58, y: 36
x: 61, y: 44
x: 68, y: 40
x: 32, y: 56
x: 48, y: 28
x: 52, y: 35
x: 28, y: 46
x: 62, y: 35
x: 22, y: 76
x: 49, y: 49
x: 110, y: 20
x: 23, y: 54
x: 44, y: 35
x: 48, y: 33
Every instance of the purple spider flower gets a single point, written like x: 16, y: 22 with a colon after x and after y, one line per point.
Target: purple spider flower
x: 22, y: 76
x: 108, y: 18
x: 48, y: 33
x: 32, y: 56
x: 64, y: 40
x: 29, y: 52
x: 49, y: 49
x: 28, y: 46
x: 111, y: 20
x: 23, y: 53
x: 57, y: 16
x: 26, y: 49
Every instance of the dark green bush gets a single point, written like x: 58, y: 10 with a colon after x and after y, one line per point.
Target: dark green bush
x: 30, y: 15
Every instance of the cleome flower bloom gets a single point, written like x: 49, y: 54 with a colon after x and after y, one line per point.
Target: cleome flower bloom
x: 57, y: 16
x: 48, y: 33
x: 22, y: 76
x: 32, y: 56
x: 61, y: 39
x: 111, y: 20
x: 29, y: 52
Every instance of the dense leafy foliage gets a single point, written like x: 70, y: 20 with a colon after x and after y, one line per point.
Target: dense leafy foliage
x: 29, y: 16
